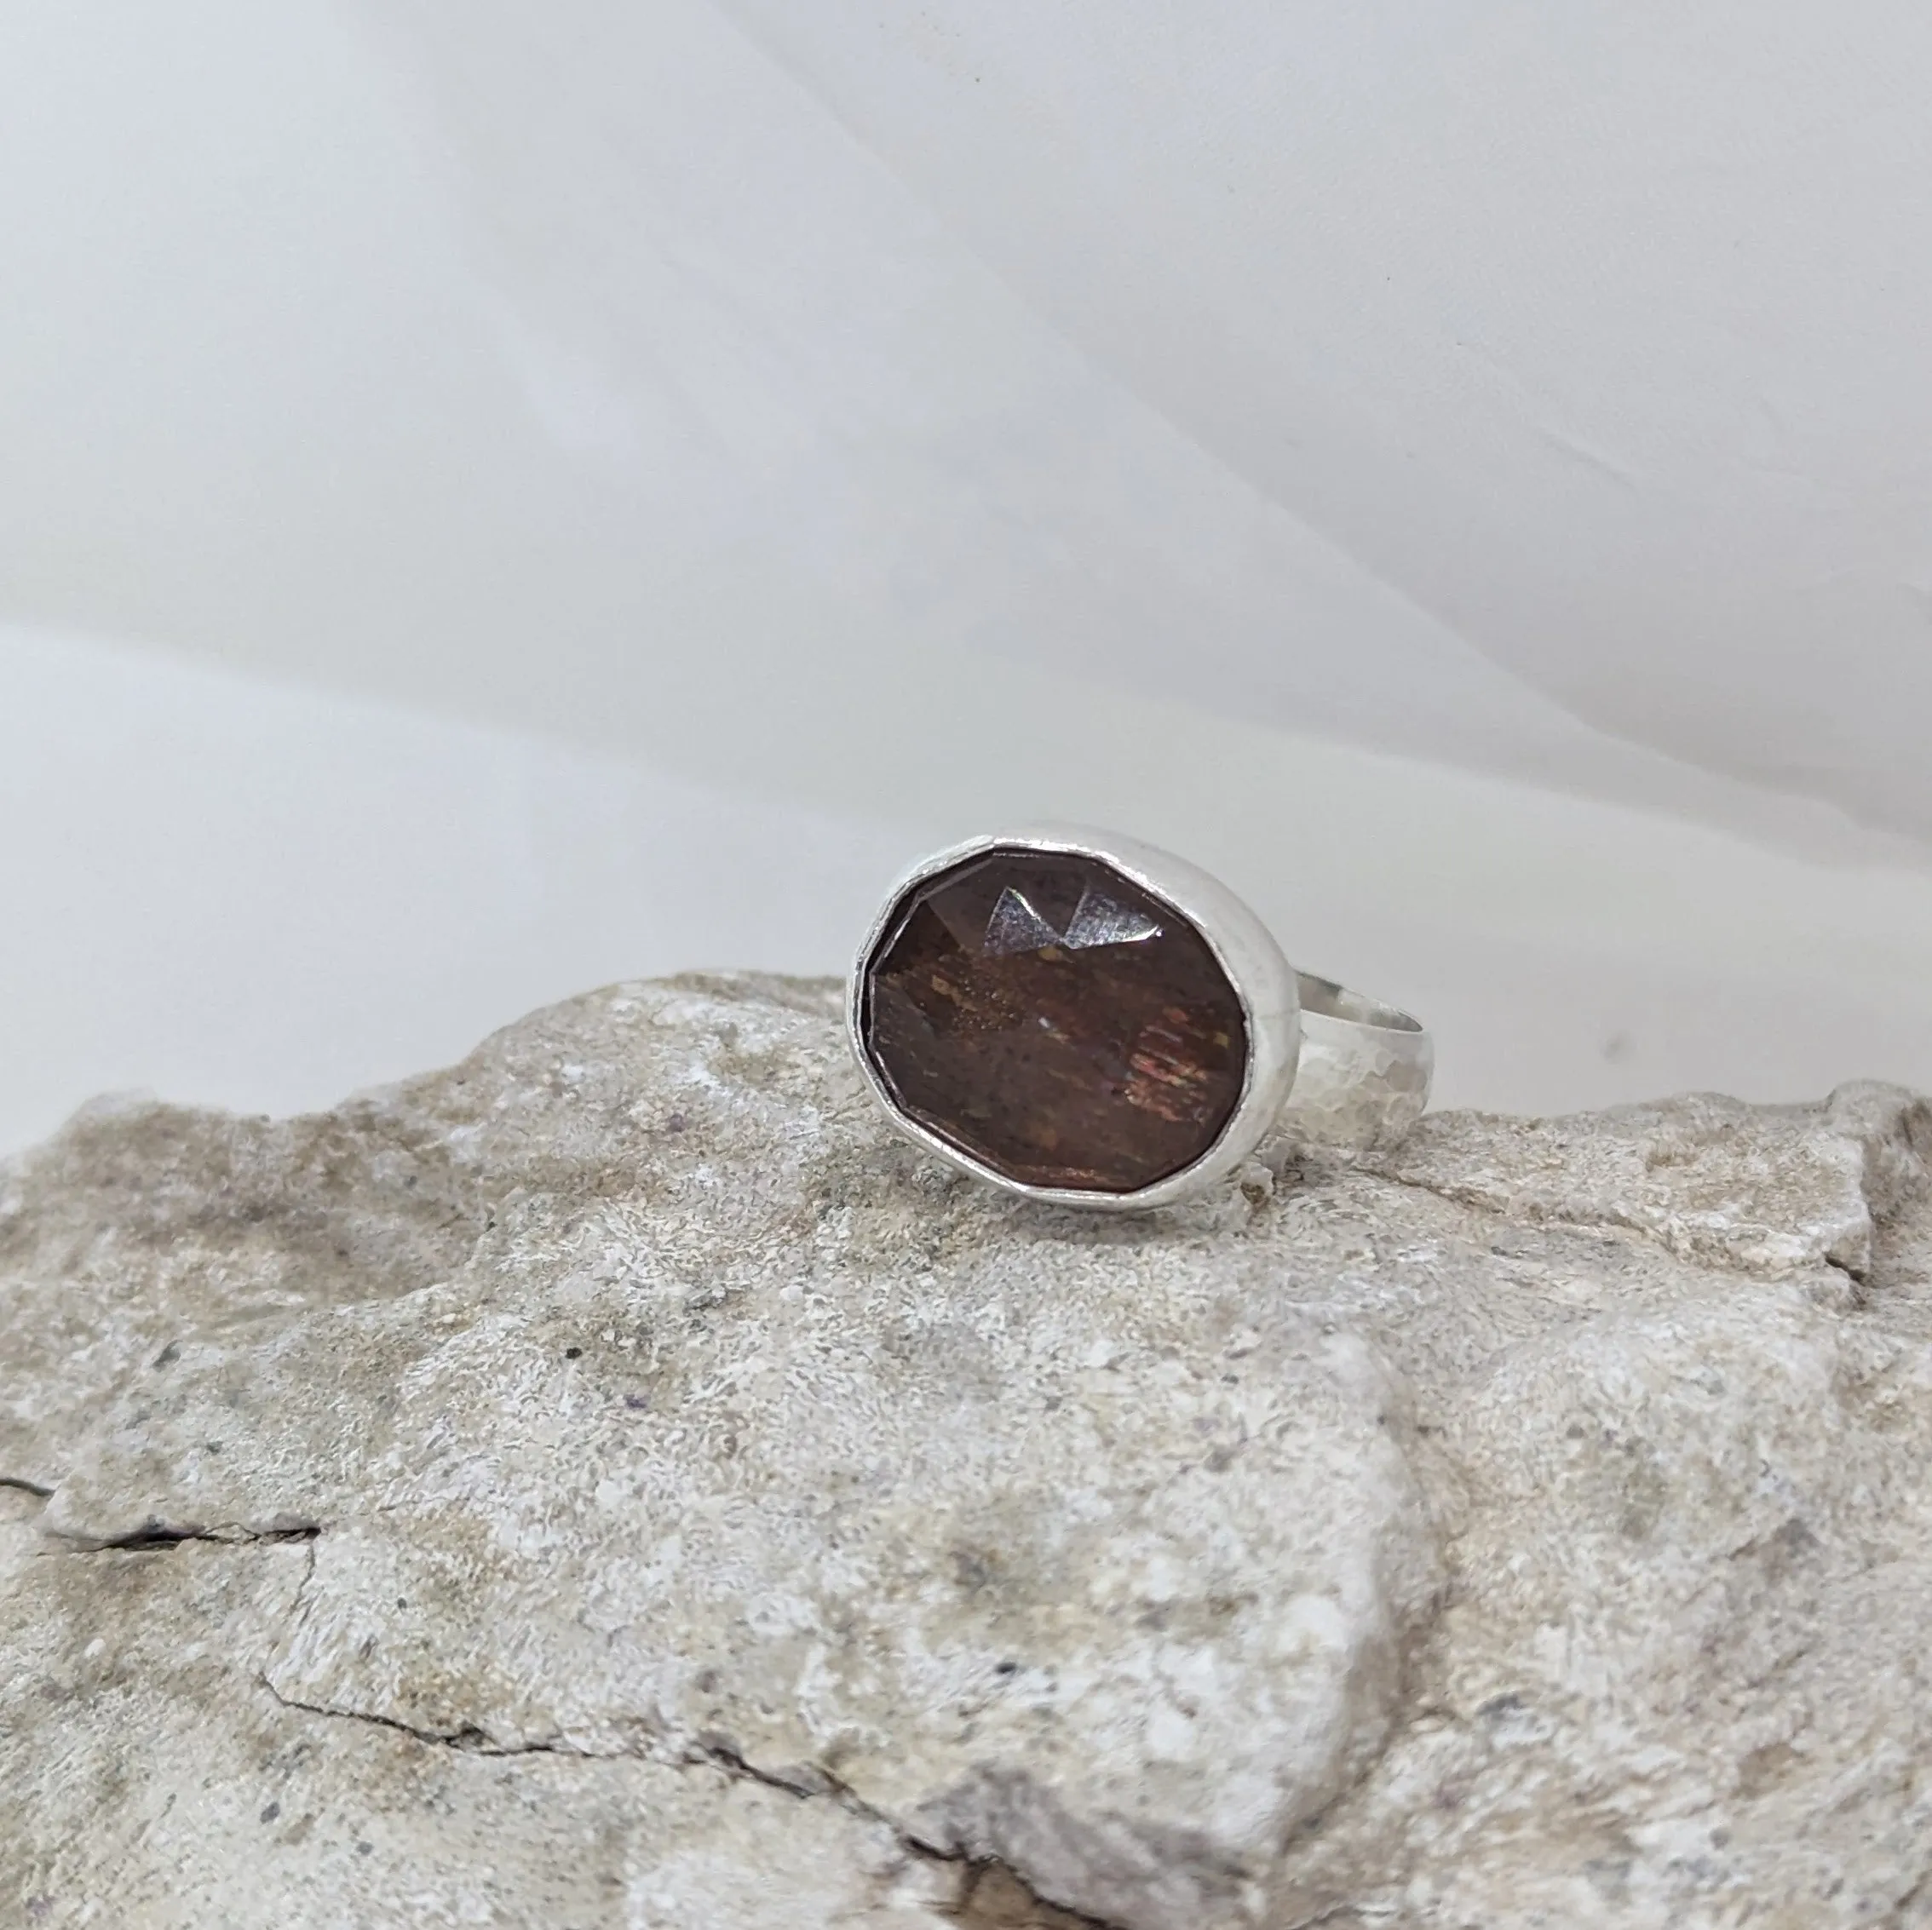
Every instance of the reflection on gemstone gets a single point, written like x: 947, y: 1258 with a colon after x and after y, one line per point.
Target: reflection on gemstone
x: 1099, y: 921
x: 1043, y: 1013
x: 1015, y: 925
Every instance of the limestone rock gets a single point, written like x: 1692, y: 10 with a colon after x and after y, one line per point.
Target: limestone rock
x: 617, y: 1482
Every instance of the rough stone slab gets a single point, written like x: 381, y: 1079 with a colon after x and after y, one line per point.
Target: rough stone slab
x: 1521, y: 1528
x: 1770, y: 1189
x: 140, y: 1223
x: 152, y: 1779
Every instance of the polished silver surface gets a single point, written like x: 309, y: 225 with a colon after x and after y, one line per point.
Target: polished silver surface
x: 1367, y: 1066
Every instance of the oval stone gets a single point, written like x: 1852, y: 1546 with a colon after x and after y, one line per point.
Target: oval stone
x: 1043, y: 1013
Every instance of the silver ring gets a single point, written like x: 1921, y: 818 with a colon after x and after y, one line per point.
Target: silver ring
x: 1074, y: 1016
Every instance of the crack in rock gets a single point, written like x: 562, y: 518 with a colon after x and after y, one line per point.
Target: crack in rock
x: 155, y: 1533
x: 992, y: 1896
x: 468, y: 1738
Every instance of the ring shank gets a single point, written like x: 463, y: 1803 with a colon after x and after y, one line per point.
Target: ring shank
x: 1363, y: 1077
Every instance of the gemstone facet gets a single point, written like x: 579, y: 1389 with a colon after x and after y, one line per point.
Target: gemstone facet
x: 1046, y: 1015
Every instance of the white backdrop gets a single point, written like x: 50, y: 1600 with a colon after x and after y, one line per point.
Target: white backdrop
x: 495, y: 498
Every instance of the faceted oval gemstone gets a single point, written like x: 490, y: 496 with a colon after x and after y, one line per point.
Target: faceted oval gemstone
x: 1043, y: 1013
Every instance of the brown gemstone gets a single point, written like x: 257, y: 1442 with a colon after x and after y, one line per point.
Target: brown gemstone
x: 1043, y: 1013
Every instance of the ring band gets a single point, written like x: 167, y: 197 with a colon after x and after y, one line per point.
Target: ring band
x: 1075, y: 1016
x: 1364, y: 1070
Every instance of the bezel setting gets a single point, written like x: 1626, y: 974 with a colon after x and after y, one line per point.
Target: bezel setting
x: 1261, y: 977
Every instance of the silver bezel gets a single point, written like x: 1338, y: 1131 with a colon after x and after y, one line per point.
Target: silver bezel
x: 1262, y: 977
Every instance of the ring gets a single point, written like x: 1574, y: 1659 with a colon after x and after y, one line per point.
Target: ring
x: 1075, y: 1016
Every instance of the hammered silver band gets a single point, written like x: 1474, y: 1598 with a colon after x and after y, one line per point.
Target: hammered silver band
x: 1364, y: 1073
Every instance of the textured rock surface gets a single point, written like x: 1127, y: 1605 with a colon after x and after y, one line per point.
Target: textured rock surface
x: 616, y: 1482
